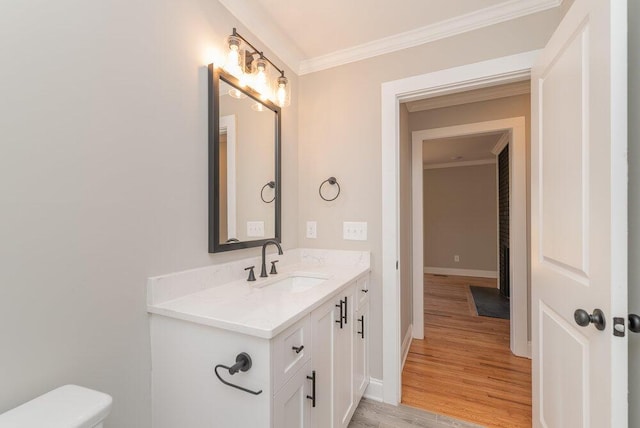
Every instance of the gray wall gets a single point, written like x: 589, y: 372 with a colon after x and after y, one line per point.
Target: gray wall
x: 103, y: 182
x: 460, y: 217
x: 406, y: 280
x: 634, y: 208
x: 340, y: 135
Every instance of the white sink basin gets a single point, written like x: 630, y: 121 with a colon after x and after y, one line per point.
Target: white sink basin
x: 295, y: 282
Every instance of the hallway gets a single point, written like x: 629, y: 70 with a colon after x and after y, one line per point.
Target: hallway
x: 464, y: 368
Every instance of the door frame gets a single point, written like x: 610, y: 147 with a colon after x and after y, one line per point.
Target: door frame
x: 457, y: 79
x: 518, y: 263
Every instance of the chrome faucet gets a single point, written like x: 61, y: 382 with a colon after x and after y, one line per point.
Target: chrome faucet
x: 263, y: 273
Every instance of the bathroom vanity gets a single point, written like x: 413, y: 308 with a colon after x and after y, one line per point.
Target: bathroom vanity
x: 305, y: 330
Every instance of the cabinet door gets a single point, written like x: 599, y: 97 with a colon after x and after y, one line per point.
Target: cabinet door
x: 291, y: 407
x: 361, y: 351
x: 362, y: 291
x: 324, y: 329
x: 343, y: 363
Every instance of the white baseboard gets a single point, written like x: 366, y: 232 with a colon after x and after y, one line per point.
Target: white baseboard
x: 406, y: 344
x: 375, y: 390
x: 461, y: 272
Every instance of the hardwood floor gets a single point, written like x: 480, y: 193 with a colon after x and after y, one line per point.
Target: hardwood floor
x: 464, y: 368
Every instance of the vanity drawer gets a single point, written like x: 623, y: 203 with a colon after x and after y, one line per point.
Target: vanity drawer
x: 292, y: 349
x: 362, y: 291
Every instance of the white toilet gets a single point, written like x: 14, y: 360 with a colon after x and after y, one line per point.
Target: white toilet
x: 69, y: 406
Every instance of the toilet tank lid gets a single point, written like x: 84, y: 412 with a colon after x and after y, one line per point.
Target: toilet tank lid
x: 69, y: 406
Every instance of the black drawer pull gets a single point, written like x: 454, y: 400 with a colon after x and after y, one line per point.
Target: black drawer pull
x: 312, y: 397
x: 345, y: 310
x: 341, y: 319
x: 298, y: 349
x: 361, y: 333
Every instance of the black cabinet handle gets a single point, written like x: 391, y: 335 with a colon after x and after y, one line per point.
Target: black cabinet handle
x: 341, y: 319
x: 312, y: 397
x: 298, y: 349
x: 361, y: 332
x: 364, y: 291
x: 345, y: 310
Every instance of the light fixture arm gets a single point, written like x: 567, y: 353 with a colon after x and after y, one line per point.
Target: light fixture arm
x: 255, y: 50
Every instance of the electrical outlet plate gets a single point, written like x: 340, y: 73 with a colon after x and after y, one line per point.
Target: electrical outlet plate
x: 255, y: 229
x: 355, y: 230
x: 312, y: 229
x: 456, y: 258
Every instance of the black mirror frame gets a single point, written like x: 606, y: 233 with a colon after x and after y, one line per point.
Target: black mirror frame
x: 215, y: 246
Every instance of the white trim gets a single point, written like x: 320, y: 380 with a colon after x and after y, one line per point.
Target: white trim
x: 458, y: 164
x: 519, y: 295
x: 417, y: 251
x: 461, y: 272
x: 228, y: 124
x: 256, y: 19
x: 472, y: 76
x: 491, y: 15
x: 501, y: 144
x: 406, y: 344
x: 374, y: 390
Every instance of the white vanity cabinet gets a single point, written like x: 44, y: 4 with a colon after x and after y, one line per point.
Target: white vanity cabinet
x: 311, y: 374
x: 361, y: 339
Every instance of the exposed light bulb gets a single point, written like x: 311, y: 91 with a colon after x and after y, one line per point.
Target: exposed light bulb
x: 260, y: 82
x: 234, y: 57
x: 283, y: 97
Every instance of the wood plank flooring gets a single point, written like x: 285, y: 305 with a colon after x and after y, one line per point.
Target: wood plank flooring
x: 372, y: 414
x: 464, y: 367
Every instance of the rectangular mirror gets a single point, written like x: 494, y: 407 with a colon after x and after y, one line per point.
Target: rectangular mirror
x: 244, y: 165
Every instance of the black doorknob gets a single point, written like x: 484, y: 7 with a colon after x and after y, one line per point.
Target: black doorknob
x: 634, y: 323
x: 583, y: 318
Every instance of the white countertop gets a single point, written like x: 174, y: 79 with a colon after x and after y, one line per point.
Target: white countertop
x: 255, y: 308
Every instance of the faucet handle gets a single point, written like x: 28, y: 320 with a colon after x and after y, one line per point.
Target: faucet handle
x: 252, y: 276
x: 273, y: 267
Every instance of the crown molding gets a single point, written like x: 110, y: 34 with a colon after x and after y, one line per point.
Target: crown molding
x: 501, y: 144
x: 459, y: 164
x: 496, y: 14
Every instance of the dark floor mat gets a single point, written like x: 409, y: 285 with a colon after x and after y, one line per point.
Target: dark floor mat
x: 489, y: 302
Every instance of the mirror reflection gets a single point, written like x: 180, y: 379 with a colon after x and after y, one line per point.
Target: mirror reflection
x: 246, y: 178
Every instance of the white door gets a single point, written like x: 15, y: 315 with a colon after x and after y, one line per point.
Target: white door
x: 579, y: 221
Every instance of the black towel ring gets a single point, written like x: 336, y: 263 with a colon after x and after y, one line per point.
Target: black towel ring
x: 271, y: 184
x: 332, y: 181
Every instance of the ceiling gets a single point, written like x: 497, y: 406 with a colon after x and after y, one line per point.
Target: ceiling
x: 443, y: 152
x: 315, y: 35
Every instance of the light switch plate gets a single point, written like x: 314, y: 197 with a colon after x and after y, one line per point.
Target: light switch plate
x: 355, y: 230
x: 312, y: 229
x: 255, y: 229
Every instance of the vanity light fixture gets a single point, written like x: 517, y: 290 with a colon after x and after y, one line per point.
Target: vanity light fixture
x: 251, y: 67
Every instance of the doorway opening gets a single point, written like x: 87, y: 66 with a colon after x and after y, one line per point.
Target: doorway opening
x: 464, y: 366
x: 459, y: 79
